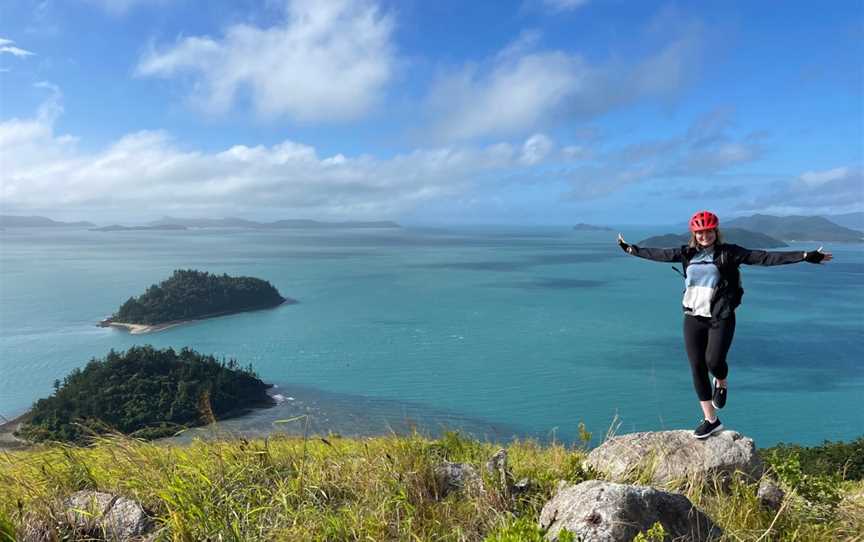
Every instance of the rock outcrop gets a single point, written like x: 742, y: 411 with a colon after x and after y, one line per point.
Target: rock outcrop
x: 665, y: 457
x: 95, y: 515
x: 599, y: 511
x: 451, y: 476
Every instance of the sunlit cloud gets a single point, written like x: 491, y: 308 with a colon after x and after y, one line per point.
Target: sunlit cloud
x: 324, y: 61
x: 8, y: 47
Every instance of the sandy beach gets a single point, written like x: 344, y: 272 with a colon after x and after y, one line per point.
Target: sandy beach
x: 140, y: 329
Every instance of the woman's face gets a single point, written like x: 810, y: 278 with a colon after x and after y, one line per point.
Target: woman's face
x: 706, y: 238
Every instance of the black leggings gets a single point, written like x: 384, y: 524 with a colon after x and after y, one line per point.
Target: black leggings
x: 707, y: 343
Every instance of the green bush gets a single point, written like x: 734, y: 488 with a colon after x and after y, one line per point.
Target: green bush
x: 525, y: 530
x: 829, y: 458
x: 821, y: 492
x: 655, y: 534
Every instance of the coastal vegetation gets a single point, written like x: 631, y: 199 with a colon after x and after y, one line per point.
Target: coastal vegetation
x: 381, y: 488
x: 190, y: 294
x: 145, y: 392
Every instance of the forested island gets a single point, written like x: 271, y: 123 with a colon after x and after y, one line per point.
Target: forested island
x: 190, y: 295
x: 146, y: 392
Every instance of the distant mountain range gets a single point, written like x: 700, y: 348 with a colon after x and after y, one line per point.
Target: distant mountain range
x: 848, y: 220
x: 164, y: 227
x: 11, y: 221
x: 796, y: 228
x: 279, y: 224
x: 171, y: 223
x: 590, y: 227
x: 738, y: 236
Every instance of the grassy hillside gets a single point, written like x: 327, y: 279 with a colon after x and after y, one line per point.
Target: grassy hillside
x: 290, y: 488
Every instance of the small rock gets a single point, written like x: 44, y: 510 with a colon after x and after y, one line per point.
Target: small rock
x: 770, y: 495
x: 600, y: 511
x: 457, y: 477
x: 673, y: 456
x: 118, y: 517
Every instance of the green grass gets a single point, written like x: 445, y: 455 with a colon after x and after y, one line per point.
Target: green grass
x: 383, y: 488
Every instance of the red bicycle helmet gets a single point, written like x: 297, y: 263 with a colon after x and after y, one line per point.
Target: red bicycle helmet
x: 704, y: 220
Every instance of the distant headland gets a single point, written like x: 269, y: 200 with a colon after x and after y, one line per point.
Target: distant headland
x: 797, y: 228
x: 173, y: 223
x: 737, y: 236
x: 193, y: 295
x: 11, y: 221
x: 165, y: 227
x: 590, y: 227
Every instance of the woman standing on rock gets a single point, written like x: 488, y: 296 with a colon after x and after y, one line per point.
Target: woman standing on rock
x: 712, y: 292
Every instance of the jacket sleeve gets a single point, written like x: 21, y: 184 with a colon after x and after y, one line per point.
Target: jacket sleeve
x: 658, y: 254
x: 763, y: 257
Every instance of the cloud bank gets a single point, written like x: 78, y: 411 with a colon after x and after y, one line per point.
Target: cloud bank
x: 325, y: 61
x: 150, y: 172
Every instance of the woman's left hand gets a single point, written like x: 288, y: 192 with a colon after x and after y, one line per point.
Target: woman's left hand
x: 818, y: 256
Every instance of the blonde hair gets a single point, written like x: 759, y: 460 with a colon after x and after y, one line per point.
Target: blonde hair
x: 693, y: 243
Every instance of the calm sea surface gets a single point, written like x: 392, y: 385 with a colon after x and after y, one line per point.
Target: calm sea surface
x: 498, y: 332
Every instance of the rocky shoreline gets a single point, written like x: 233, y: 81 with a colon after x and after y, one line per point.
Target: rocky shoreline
x: 8, y: 440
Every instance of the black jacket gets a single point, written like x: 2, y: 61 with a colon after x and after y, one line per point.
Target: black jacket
x: 727, y: 258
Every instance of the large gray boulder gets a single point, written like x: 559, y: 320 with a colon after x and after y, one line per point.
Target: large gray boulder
x: 665, y: 457
x: 117, y: 517
x: 599, y: 511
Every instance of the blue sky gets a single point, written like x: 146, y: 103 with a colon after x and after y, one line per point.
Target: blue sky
x: 532, y: 111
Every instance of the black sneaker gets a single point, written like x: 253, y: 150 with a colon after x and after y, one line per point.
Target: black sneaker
x: 718, y: 398
x: 706, y: 428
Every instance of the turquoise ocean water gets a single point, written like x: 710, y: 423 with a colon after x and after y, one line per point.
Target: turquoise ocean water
x: 500, y: 332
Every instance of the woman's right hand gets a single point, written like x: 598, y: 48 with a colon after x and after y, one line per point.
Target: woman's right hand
x: 624, y: 245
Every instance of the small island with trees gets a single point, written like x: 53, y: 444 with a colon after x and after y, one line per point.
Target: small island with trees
x: 144, y: 392
x: 193, y: 295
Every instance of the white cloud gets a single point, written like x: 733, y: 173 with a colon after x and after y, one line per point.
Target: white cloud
x: 564, y: 5
x: 326, y: 61
x: 148, y: 173
x: 536, y: 149
x: 815, y: 178
x: 122, y: 7
x: 7, y: 46
x: 520, y: 90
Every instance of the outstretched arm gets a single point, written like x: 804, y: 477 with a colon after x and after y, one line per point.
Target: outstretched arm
x: 655, y: 254
x: 764, y: 257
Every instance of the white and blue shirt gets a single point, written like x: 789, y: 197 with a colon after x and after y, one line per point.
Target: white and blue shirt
x: 700, y: 282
